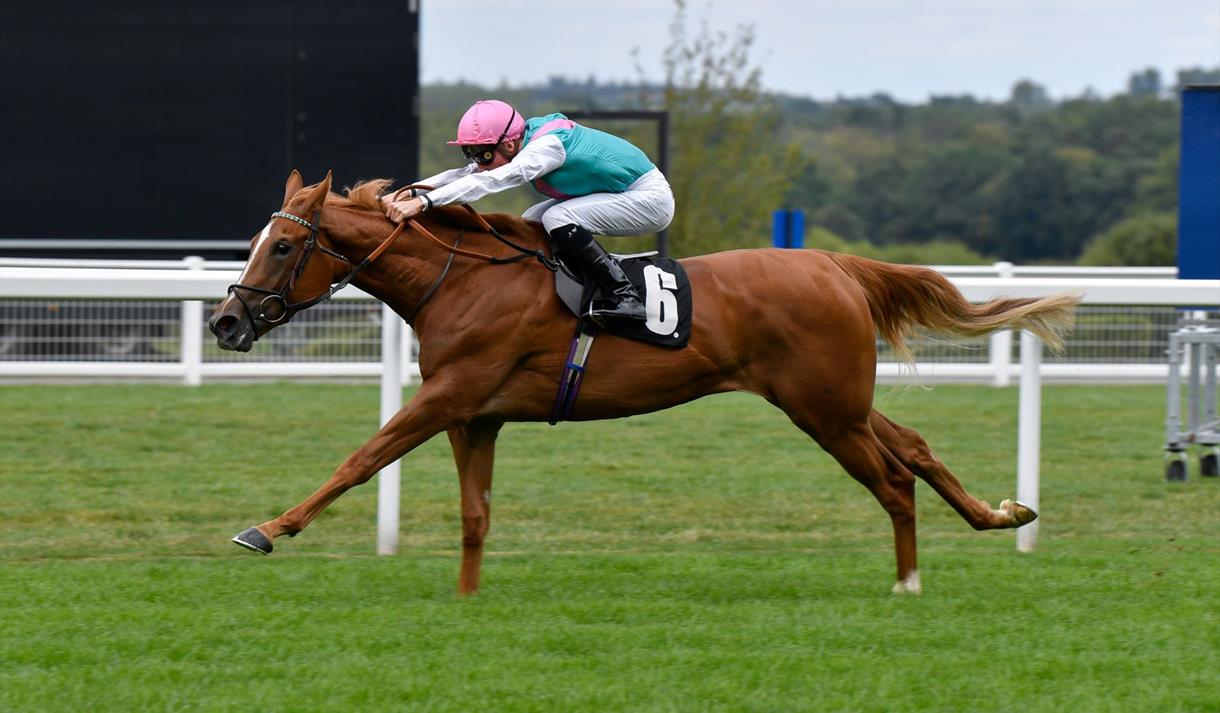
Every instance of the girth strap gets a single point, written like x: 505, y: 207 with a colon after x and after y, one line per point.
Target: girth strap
x: 573, y: 371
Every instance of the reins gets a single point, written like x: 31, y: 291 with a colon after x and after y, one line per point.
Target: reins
x: 437, y: 282
x: 525, y: 253
x: 280, y: 296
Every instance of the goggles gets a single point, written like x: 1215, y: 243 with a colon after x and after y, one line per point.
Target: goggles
x: 481, y: 155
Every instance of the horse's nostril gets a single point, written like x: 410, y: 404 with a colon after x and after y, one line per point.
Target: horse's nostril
x: 222, y: 324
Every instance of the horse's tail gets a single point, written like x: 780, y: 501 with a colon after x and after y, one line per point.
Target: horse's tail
x: 902, y: 297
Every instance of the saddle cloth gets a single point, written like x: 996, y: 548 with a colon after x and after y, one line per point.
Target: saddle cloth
x: 662, y: 286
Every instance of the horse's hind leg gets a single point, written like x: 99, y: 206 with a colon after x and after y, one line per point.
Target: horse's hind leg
x: 474, y: 448
x: 910, y: 448
x: 865, y: 458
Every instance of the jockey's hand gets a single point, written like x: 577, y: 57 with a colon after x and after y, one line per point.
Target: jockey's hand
x: 399, y: 211
x: 401, y: 194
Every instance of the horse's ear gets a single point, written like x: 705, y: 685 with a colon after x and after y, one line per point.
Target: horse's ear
x: 317, y: 195
x: 294, y: 184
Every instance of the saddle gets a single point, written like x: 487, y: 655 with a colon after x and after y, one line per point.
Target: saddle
x: 665, y: 290
x: 663, y: 287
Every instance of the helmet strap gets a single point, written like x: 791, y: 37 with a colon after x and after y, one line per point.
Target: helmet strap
x: 507, y: 126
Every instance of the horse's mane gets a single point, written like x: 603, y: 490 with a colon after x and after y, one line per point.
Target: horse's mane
x: 367, y: 195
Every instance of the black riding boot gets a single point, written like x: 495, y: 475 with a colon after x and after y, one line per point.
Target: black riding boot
x: 596, y: 265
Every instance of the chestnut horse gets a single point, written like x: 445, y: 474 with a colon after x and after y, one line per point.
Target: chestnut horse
x: 796, y: 327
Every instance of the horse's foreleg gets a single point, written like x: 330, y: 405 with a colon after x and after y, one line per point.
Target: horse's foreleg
x: 910, y: 448
x: 429, y: 413
x: 474, y: 448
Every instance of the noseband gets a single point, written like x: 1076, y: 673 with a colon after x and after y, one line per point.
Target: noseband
x: 280, y: 296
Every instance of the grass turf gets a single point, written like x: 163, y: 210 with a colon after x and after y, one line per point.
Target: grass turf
x: 705, y: 558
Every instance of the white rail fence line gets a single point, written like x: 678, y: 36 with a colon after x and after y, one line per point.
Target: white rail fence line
x: 67, y: 279
x: 192, y: 286
x: 998, y: 269
x: 195, y: 285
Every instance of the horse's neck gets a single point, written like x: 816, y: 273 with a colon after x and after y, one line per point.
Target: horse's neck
x: 404, y: 274
x: 400, y: 276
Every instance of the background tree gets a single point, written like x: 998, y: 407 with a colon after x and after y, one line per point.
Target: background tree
x: 1029, y: 98
x: 1145, y: 84
x: 728, y: 169
x: 1144, y: 240
x: 1196, y: 75
x: 1027, y: 180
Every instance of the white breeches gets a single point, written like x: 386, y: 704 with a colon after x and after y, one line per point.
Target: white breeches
x: 647, y: 206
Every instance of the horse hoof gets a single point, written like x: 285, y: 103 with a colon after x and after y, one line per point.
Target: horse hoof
x: 1021, y: 513
x: 252, y: 539
x: 910, y: 585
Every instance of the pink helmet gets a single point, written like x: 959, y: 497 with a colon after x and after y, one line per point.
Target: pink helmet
x: 489, y: 121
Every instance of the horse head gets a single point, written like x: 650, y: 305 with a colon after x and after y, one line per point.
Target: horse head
x: 291, y: 267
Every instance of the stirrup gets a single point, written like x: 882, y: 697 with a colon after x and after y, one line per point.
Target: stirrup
x: 621, y: 310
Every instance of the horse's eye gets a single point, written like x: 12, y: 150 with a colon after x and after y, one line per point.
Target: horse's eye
x: 282, y: 248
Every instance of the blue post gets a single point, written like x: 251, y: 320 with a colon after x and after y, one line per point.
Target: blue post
x: 796, y: 229
x: 1199, y: 185
x: 788, y: 228
x: 779, y: 229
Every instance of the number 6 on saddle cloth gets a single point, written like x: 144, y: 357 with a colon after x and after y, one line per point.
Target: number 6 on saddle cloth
x: 661, y: 282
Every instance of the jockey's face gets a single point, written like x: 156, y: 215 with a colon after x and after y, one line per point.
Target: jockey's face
x: 501, y: 155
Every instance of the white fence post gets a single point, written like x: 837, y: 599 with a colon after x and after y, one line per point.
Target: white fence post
x: 192, y: 332
x: 1001, y: 342
x: 389, y: 480
x: 408, y: 336
x: 1029, y: 434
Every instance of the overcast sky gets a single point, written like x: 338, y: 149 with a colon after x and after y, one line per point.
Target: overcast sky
x: 824, y: 48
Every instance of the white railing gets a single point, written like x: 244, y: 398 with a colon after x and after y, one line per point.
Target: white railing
x: 998, y: 269
x: 92, y: 283
x: 191, y: 280
x: 1007, y: 269
x: 187, y: 263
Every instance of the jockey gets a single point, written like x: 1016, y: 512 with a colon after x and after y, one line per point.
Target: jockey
x: 597, y: 183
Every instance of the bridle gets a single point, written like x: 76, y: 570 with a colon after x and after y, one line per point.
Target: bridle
x: 280, y: 297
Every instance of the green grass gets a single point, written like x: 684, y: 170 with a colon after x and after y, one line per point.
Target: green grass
x: 705, y: 558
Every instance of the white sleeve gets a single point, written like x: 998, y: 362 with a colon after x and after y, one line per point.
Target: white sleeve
x: 444, y: 178
x: 538, y: 158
